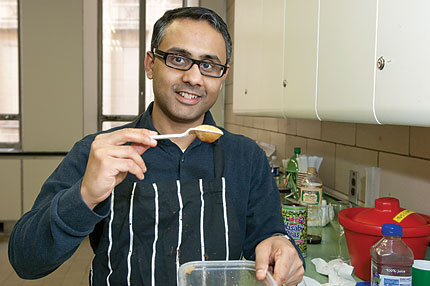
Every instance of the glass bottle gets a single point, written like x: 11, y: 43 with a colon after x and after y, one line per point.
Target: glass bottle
x: 311, y: 188
x: 392, y: 259
x: 311, y: 195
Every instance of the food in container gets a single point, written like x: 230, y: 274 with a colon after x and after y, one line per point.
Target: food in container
x: 231, y: 273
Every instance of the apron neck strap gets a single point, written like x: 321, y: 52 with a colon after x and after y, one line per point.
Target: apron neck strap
x: 218, y: 159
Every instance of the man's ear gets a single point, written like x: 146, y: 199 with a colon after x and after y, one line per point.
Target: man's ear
x: 224, y: 76
x: 149, y: 63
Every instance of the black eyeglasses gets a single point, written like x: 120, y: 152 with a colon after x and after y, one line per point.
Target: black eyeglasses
x: 184, y: 63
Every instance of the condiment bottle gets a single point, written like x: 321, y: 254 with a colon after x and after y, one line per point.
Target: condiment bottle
x: 392, y: 259
x: 311, y: 188
x: 311, y: 195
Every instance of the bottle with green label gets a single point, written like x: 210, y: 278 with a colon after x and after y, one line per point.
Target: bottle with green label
x: 292, y: 174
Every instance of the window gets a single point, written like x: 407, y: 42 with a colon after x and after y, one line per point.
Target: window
x: 126, y: 36
x: 10, y: 119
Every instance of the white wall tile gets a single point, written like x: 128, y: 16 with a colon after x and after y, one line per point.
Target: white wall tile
x: 420, y: 142
x: 407, y: 179
x: 353, y: 158
x: 328, y: 152
x: 391, y: 138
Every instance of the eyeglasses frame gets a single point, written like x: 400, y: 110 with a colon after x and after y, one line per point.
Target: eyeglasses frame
x: 164, y: 56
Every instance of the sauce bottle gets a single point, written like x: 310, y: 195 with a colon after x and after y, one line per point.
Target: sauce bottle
x: 311, y: 188
x: 392, y: 259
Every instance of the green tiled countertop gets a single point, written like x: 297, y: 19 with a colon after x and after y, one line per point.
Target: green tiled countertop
x: 325, y: 250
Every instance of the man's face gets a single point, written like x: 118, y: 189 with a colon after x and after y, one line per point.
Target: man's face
x: 185, y: 96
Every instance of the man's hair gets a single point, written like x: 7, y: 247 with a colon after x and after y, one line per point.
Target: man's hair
x: 194, y: 13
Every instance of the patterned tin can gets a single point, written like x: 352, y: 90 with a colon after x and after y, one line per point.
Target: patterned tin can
x: 295, y: 218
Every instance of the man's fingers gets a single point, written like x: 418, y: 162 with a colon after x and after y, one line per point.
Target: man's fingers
x: 288, y: 266
x: 262, y: 255
x: 280, y: 263
x: 127, y: 152
x: 128, y: 165
x: 133, y: 135
x: 279, y: 254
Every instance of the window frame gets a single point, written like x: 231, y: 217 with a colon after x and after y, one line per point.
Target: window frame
x: 142, y: 73
x: 16, y: 146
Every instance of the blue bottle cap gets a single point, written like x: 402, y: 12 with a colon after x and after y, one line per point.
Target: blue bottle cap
x: 392, y: 229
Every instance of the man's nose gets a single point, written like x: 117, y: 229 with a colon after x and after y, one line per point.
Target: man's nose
x: 193, y: 75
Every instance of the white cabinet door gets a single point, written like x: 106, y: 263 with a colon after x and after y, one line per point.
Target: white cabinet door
x: 300, y: 58
x: 346, y: 67
x: 244, y: 45
x: 402, y: 86
x: 258, y: 58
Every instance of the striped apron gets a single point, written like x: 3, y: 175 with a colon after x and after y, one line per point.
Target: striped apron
x: 154, y: 228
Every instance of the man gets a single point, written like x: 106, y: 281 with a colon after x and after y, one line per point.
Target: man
x: 151, y: 206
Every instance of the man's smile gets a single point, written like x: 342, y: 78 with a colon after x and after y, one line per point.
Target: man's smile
x: 187, y: 95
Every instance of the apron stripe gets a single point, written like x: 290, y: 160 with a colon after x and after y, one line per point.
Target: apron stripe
x: 224, y: 206
x: 202, y: 211
x: 181, y: 206
x: 154, y: 245
x: 110, y: 236
x: 91, y: 273
x: 130, y: 223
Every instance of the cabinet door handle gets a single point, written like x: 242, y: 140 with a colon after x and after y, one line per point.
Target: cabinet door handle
x: 381, y: 63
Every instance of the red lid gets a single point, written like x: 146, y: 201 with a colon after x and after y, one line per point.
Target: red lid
x: 387, y: 210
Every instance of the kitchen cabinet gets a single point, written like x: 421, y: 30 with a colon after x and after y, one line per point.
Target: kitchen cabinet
x: 330, y: 51
x: 374, y: 66
x: 346, y: 62
x: 300, y: 55
x: 258, y: 57
x: 275, y: 52
x: 402, y: 87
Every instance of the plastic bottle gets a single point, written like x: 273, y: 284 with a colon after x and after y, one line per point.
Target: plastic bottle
x: 291, y: 173
x: 324, y: 213
x: 275, y: 168
x: 311, y: 188
x: 392, y: 259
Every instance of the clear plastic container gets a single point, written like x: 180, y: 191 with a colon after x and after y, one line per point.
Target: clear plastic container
x: 392, y: 259
x: 215, y: 273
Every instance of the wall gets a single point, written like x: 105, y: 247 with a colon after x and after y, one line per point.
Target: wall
x: 52, y: 84
x: 51, y: 69
x: 217, y: 110
x: 401, y: 152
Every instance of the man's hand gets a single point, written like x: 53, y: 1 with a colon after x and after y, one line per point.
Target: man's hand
x: 279, y: 256
x: 110, y: 161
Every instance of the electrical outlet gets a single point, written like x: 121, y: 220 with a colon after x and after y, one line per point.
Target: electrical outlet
x: 354, y: 186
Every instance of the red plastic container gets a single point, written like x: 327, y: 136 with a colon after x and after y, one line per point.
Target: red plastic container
x: 363, y: 229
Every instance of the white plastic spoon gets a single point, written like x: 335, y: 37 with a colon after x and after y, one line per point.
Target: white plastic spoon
x: 206, y: 133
